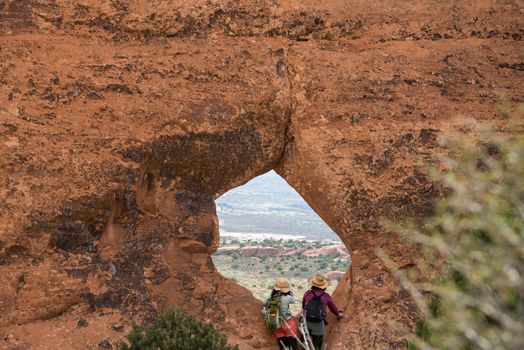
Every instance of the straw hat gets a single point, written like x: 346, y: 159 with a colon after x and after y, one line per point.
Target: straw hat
x: 319, y: 281
x: 282, y: 285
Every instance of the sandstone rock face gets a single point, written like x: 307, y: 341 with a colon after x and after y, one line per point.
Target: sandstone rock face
x: 329, y: 250
x: 122, y: 121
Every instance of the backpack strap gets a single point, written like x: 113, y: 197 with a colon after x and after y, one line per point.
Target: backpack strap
x: 315, y: 297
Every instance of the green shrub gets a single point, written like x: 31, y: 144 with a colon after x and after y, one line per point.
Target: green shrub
x: 476, y: 236
x: 176, y: 331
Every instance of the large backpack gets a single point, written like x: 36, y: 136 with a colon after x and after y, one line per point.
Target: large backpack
x: 273, y: 317
x: 315, y: 309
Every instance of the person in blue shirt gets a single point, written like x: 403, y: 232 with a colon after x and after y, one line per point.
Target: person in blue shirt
x: 287, y: 333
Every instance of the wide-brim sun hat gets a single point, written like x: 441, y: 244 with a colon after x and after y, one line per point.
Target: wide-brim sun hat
x: 282, y: 285
x: 319, y: 281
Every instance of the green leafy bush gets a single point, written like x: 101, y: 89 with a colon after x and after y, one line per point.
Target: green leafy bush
x: 476, y: 298
x: 176, y: 331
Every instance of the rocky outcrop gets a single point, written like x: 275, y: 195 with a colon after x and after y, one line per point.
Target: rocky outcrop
x: 272, y: 251
x: 121, y: 122
x: 334, y: 275
x: 327, y: 250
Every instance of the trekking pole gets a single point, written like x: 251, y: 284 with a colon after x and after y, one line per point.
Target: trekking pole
x: 283, y: 345
x: 295, y: 336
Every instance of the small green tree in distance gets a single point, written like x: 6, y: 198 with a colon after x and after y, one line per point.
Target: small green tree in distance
x: 476, y: 299
x: 176, y: 330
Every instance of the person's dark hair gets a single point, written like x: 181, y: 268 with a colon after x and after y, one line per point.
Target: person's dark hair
x: 275, y: 292
x: 316, y: 288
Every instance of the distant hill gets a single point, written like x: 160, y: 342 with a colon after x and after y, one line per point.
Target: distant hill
x: 267, y: 204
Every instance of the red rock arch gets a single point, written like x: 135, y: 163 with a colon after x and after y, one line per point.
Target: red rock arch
x: 120, y: 124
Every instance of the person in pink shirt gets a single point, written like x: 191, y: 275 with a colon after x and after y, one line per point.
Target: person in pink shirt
x: 315, y: 304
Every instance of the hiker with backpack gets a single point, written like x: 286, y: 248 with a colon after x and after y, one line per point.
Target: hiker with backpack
x: 314, y: 306
x: 278, y: 315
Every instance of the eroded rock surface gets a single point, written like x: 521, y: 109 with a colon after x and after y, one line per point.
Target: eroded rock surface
x: 122, y: 121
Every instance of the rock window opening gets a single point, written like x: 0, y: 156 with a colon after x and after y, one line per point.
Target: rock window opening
x: 268, y: 231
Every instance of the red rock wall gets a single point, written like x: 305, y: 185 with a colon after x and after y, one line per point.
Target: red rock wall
x: 121, y: 122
